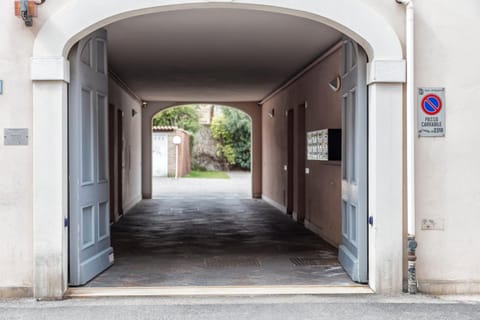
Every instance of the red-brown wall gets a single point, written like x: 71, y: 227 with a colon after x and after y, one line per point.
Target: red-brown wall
x: 184, y: 160
x: 317, y: 195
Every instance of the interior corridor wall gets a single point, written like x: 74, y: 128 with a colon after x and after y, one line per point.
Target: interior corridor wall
x: 132, y: 143
x: 323, y: 183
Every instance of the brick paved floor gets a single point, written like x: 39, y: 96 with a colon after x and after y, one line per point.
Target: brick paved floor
x: 214, y: 241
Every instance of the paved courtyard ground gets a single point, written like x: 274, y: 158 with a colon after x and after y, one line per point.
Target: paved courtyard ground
x: 238, y: 186
x: 209, y: 232
x: 216, y: 241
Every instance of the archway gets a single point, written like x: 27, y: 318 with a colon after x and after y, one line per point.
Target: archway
x: 207, y: 159
x: 50, y: 74
x: 251, y: 109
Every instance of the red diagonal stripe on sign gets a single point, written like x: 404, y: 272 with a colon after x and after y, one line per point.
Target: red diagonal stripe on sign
x: 432, y: 105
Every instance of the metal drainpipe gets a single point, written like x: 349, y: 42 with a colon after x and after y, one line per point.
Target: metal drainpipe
x: 412, y: 244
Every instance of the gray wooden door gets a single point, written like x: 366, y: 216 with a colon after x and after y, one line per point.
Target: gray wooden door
x: 90, y: 249
x: 353, y: 253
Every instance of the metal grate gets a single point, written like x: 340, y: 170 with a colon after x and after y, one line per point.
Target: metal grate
x: 184, y: 210
x: 312, y: 261
x: 233, y: 262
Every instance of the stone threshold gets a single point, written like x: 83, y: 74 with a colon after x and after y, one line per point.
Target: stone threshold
x: 198, y: 291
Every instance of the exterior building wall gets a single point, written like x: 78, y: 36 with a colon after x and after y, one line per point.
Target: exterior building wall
x: 322, y: 186
x: 206, y: 112
x: 446, y: 57
x: 184, y: 161
x: 16, y: 163
x: 447, y: 188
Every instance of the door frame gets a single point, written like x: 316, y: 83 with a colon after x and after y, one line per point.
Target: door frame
x: 111, y: 160
x: 50, y: 75
x: 300, y: 138
x: 290, y: 166
x: 119, y: 161
x: 115, y: 140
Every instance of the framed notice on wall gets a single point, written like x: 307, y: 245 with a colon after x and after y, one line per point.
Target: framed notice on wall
x: 324, y: 145
x: 431, y: 112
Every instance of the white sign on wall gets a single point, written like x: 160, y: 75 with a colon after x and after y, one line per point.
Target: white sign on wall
x: 431, y: 112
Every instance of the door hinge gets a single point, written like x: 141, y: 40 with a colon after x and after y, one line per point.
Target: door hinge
x: 370, y: 220
x: 66, y: 222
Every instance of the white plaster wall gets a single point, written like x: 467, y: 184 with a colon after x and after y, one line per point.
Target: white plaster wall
x: 16, y: 162
x: 447, y: 168
x: 16, y: 166
x: 132, y: 135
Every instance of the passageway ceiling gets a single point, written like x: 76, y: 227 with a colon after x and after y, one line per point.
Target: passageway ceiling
x: 213, y: 54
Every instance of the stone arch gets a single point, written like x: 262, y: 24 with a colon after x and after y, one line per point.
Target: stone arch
x: 369, y: 29
x: 50, y: 75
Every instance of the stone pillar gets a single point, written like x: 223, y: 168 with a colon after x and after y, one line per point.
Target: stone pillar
x: 385, y: 191
x: 50, y: 177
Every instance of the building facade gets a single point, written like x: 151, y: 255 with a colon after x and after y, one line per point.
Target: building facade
x: 37, y: 70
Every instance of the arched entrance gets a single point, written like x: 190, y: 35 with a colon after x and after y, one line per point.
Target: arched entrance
x: 50, y: 74
x: 251, y: 109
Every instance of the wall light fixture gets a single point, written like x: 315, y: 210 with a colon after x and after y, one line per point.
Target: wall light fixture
x: 27, y: 10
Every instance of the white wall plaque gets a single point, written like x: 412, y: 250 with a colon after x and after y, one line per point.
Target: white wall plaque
x: 15, y: 137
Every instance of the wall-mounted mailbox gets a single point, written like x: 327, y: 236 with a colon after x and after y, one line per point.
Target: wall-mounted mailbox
x: 324, y: 145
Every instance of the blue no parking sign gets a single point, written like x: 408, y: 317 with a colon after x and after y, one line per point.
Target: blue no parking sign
x: 431, y: 112
x: 431, y: 104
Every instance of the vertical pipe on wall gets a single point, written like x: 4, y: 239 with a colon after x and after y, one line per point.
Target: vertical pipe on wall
x: 410, y: 56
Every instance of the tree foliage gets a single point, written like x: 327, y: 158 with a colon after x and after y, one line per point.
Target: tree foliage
x: 232, y: 131
x: 185, y: 117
